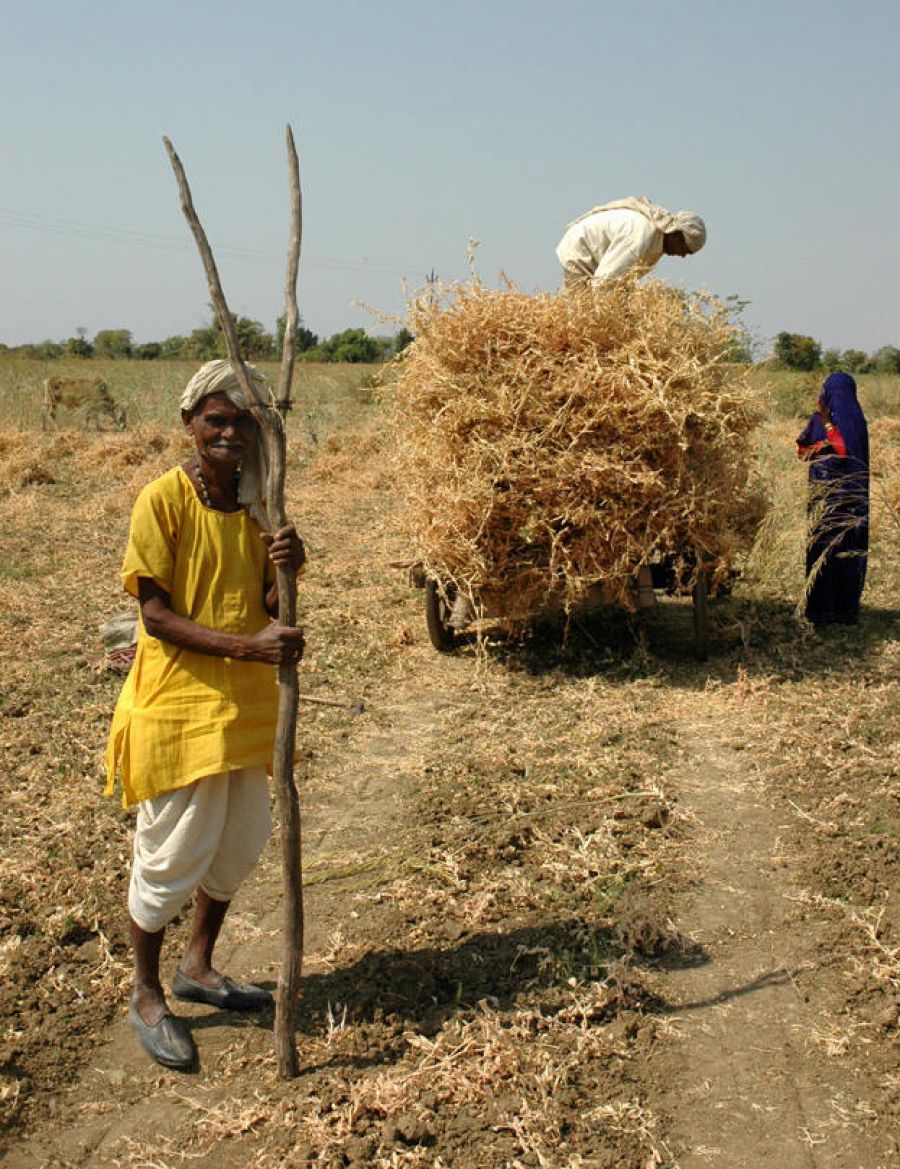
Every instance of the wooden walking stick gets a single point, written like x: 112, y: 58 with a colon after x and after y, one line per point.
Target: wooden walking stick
x: 271, y: 421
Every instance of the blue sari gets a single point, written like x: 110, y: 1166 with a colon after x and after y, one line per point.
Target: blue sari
x: 838, y: 508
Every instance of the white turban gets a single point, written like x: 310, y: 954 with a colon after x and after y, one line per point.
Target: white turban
x: 691, y: 225
x: 218, y: 377
x: 692, y: 228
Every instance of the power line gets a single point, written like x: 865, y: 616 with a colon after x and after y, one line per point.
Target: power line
x: 53, y: 225
x: 72, y: 228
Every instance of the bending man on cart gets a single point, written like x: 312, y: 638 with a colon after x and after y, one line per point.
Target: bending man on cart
x: 627, y: 235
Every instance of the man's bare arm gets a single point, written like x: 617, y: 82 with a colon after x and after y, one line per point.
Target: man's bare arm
x: 275, y: 644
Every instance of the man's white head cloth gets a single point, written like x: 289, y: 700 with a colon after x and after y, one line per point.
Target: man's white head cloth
x: 691, y: 227
x: 218, y: 377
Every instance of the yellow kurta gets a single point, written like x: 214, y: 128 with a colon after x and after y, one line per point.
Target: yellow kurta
x: 183, y: 715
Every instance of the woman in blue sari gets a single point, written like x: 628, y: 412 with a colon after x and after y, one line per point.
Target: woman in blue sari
x: 835, y: 443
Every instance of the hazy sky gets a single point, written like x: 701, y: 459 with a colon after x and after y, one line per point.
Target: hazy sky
x: 421, y: 124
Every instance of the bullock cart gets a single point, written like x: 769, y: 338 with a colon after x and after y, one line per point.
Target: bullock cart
x: 561, y: 450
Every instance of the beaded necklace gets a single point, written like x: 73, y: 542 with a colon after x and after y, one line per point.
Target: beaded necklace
x: 204, y: 486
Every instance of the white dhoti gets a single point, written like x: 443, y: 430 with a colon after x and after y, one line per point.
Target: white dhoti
x: 208, y: 835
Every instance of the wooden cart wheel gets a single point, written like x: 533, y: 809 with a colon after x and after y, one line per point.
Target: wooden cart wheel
x: 701, y: 617
x: 438, y: 603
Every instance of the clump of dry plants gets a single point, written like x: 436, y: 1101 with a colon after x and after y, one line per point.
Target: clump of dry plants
x: 549, y: 443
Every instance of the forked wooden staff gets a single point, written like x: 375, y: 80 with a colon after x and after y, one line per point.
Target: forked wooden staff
x: 271, y: 421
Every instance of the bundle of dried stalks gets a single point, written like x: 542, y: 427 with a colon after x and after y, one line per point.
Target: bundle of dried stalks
x: 548, y: 443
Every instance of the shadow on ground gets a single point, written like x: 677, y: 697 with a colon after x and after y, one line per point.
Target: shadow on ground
x: 388, y: 992
x: 761, y: 638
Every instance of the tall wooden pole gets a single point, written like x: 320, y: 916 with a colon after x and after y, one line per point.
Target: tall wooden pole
x: 289, y: 689
x: 271, y: 421
x: 291, y: 312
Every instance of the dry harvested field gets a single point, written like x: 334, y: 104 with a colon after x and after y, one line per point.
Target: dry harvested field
x: 573, y: 902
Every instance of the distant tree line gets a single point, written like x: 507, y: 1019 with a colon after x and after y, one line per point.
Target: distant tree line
x: 796, y: 351
x: 791, y: 350
x: 207, y: 342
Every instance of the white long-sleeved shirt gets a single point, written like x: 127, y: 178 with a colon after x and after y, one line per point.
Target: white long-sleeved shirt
x: 609, y: 244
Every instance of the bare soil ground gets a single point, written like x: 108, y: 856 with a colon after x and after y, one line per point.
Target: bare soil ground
x: 579, y: 901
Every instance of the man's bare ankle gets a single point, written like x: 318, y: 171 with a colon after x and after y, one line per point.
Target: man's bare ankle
x: 150, y: 1003
x: 200, y: 972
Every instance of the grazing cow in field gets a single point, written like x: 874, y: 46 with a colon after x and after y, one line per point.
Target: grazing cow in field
x: 90, y: 395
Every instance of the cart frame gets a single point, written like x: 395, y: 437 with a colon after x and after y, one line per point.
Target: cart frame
x: 443, y: 636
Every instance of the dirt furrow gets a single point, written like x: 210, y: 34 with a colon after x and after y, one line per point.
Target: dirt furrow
x: 750, y: 1084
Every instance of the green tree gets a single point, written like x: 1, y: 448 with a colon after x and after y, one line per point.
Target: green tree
x: 48, y: 349
x: 738, y: 350
x: 173, y: 347
x: 831, y: 360
x: 149, y: 351
x: 855, y: 361
x: 114, y: 343
x: 254, y: 342
x: 78, y: 347
x: 887, y: 359
x: 384, y: 347
x: 797, y: 351
x: 208, y: 341
x: 402, y: 338
x: 352, y: 345
x: 304, y: 339
x: 204, y: 344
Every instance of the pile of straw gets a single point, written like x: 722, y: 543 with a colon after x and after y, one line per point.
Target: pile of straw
x: 549, y: 443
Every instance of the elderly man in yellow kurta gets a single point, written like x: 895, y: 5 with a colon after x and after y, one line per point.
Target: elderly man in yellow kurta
x: 194, y: 728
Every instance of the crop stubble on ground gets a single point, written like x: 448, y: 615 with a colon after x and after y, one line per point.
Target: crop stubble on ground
x: 584, y: 906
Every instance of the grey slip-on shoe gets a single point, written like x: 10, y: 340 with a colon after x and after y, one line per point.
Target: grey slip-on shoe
x: 228, y: 995
x: 168, y: 1042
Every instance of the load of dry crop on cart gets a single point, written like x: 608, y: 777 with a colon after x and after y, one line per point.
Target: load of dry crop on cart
x: 546, y: 444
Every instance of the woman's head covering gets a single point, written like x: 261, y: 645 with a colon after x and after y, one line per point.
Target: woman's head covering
x: 851, y: 473
x: 839, y: 395
x: 691, y: 225
x: 218, y: 377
